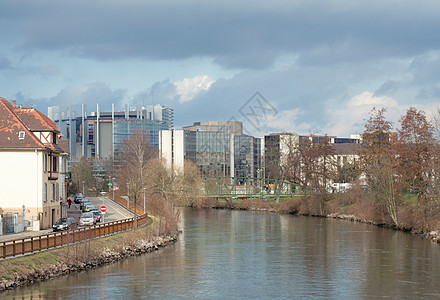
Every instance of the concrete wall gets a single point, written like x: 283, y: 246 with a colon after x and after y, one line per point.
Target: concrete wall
x: 178, y: 150
x: 105, y: 139
x: 21, y: 179
x: 171, y: 148
x: 165, y: 147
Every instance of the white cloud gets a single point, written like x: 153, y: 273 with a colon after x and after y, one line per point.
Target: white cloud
x: 368, y: 99
x: 188, y: 88
x: 351, y: 118
x: 283, y: 120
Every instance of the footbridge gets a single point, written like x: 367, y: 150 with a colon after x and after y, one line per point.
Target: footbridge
x: 249, y: 187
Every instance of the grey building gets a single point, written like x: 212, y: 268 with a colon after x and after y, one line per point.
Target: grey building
x: 219, y: 148
x: 101, y: 134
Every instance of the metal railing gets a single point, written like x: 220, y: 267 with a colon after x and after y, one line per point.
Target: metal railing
x: 250, y: 187
x: 56, y: 239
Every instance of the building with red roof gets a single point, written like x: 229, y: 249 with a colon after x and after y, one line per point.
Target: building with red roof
x: 33, y: 163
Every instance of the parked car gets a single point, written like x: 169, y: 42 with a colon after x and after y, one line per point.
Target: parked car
x: 82, y: 203
x: 87, y: 218
x: 96, y: 214
x: 88, y: 207
x: 78, y: 198
x: 64, y: 224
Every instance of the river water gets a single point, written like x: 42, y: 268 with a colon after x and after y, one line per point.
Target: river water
x: 226, y: 254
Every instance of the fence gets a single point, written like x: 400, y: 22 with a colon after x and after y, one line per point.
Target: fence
x: 52, y: 240
x: 11, y: 223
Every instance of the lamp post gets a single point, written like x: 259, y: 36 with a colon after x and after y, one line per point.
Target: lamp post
x: 113, y: 189
x: 145, y: 211
x: 128, y: 196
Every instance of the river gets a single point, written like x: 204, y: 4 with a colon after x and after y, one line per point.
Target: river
x: 225, y: 254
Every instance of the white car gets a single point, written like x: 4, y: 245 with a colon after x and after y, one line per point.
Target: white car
x: 87, y: 218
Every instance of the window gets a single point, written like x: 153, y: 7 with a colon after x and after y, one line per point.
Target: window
x: 45, y: 192
x: 21, y: 135
x: 45, y: 162
x: 57, y: 192
x: 55, y: 164
x: 52, y: 192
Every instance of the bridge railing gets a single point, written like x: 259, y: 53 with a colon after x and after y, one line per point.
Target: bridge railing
x: 249, y: 186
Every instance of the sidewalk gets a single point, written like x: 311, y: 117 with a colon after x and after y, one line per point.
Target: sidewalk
x: 73, y: 211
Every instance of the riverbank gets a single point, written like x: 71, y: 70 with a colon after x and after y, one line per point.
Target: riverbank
x: 331, y: 208
x: 79, y: 257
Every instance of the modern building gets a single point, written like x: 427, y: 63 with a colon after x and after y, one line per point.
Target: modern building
x: 101, y: 134
x: 32, y: 176
x: 281, y: 152
x: 219, y: 148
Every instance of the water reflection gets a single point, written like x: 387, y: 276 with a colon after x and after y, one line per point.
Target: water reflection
x: 239, y: 254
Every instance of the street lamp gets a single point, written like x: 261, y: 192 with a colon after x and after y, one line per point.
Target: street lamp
x: 128, y: 196
x: 145, y: 211
x: 113, y: 189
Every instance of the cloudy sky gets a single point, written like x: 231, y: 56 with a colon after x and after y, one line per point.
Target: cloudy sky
x: 303, y: 66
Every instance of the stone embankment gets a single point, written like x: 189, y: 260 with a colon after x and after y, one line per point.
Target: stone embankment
x: 432, y: 235
x: 105, y: 257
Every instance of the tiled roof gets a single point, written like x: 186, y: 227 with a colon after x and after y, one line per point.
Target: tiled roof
x: 35, y: 120
x: 64, y: 145
x: 15, y: 133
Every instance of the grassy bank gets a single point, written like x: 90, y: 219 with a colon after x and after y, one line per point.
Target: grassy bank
x: 80, y: 256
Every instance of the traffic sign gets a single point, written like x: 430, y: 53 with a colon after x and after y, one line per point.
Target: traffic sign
x: 103, y: 208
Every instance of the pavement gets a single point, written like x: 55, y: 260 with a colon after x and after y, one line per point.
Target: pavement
x: 114, y: 212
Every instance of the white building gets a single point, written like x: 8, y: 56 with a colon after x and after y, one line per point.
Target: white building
x: 32, y: 165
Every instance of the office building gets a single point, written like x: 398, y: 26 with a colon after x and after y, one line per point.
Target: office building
x: 101, y: 134
x: 219, y: 148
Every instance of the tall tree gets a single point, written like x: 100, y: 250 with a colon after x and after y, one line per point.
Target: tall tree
x: 82, y: 175
x: 415, y: 149
x: 137, y: 151
x: 435, y: 187
x: 315, y: 162
x: 160, y: 180
x: 377, y: 159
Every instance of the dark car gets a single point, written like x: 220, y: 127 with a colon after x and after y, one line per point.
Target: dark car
x: 78, y: 198
x: 64, y: 224
x: 96, y: 214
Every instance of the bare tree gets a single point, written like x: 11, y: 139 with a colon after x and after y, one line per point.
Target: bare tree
x: 188, y: 185
x: 160, y: 180
x: 136, y: 153
x: 82, y: 175
x: 415, y: 152
x: 377, y: 159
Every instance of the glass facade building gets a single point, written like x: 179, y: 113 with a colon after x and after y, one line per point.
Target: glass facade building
x: 247, y: 156
x: 218, y: 148
x: 101, y: 134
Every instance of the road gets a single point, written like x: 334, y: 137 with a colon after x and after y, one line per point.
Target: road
x: 114, y: 211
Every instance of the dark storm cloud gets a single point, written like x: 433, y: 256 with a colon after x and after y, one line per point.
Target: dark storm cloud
x: 89, y: 94
x: 237, y: 35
